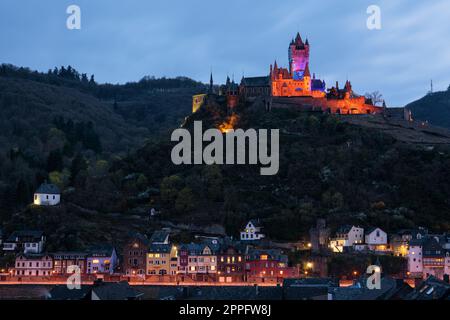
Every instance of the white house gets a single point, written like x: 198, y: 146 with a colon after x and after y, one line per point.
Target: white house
x: 252, y: 231
x: 47, y: 195
x: 102, y: 260
x: 27, y: 241
x: 376, y: 240
x: 427, y: 256
x: 346, y: 236
x: 33, y: 265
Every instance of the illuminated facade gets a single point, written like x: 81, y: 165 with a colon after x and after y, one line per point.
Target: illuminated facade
x: 160, y: 258
x: 303, y: 88
x: 296, y: 81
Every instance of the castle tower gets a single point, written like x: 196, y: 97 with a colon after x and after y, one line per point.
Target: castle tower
x: 307, y: 78
x: 298, y: 57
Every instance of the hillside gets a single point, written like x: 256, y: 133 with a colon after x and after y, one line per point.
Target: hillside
x: 365, y: 170
x: 329, y: 168
x: 434, y: 108
x: 60, y: 126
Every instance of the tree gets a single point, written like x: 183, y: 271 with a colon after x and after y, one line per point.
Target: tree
x: 170, y: 186
x: 92, y: 80
x: 185, y: 201
x: 78, y: 164
x: 376, y: 97
x: 54, y: 161
x: 22, y: 192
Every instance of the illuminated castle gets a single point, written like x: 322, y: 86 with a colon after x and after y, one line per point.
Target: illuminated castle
x: 297, y: 81
x: 296, y: 86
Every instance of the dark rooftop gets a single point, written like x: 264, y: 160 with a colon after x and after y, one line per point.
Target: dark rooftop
x: 48, y: 188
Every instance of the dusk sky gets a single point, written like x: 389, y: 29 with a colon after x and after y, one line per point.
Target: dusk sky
x: 123, y: 41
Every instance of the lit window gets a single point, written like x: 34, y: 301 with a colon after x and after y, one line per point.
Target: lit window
x: 263, y: 257
x: 95, y: 261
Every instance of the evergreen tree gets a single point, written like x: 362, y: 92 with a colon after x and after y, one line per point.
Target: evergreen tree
x: 54, y: 161
x: 78, y: 164
x: 22, y: 192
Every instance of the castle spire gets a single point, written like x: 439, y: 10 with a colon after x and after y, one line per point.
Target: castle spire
x: 211, y: 83
x: 298, y: 39
x: 307, y: 42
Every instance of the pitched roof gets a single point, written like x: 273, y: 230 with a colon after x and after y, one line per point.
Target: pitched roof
x: 25, y: 235
x: 344, y: 229
x: 62, y: 292
x: 256, y: 81
x: 430, y: 289
x: 273, y: 254
x: 360, y: 291
x: 160, y: 248
x: 233, y: 293
x: 159, y: 236
x: 116, y: 291
x: 256, y: 223
x: 372, y: 229
x: 48, y: 188
x: 104, y: 250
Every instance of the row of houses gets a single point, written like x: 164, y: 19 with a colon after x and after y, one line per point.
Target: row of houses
x: 427, y: 254
x: 210, y: 260
x: 101, y: 260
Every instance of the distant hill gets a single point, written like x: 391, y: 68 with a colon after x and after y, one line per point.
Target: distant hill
x: 434, y: 108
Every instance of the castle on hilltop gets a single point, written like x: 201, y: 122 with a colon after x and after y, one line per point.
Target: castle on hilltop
x: 295, y: 87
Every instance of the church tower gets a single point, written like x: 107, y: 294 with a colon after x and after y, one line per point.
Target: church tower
x: 298, y: 57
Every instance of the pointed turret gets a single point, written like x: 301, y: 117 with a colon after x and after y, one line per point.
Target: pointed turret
x: 298, y: 39
x: 275, y: 70
x: 306, y: 42
x: 211, y: 83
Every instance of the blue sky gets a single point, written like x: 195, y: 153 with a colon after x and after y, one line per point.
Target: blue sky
x: 123, y: 41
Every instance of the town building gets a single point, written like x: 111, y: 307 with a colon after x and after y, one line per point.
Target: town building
x: 101, y: 260
x: 252, y: 231
x: 135, y: 255
x: 47, y: 195
x: 66, y: 262
x: 198, y: 261
x: 160, y: 259
x: 25, y: 241
x: 427, y: 256
x: 377, y: 240
x: 33, y: 265
x: 346, y: 237
x: 231, y: 261
x: 267, y: 265
x: 319, y: 236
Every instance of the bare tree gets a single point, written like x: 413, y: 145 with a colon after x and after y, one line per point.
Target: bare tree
x: 376, y: 97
